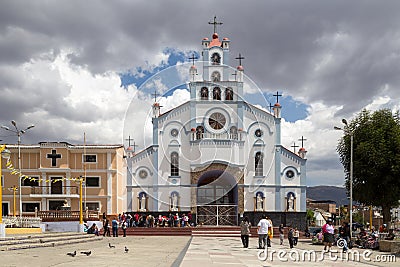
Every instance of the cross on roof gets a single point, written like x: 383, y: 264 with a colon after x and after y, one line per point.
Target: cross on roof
x: 215, y: 23
x: 235, y: 74
x: 277, y: 96
x: 129, y: 139
x: 294, y: 147
x: 240, y: 59
x: 302, y: 139
x: 192, y: 58
x: 155, y: 95
x: 53, y: 156
x: 270, y: 107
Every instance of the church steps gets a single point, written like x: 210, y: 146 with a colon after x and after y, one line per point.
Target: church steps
x: 46, y: 240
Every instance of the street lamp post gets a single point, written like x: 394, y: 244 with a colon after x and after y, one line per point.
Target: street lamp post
x: 5, y: 153
x: 18, y: 133
x: 346, y: 130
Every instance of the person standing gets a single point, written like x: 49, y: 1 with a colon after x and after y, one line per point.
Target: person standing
x: 328, y: 230
x: 281, y: 235
x: 245, y: 232
x: 290, y: 237
x: 344, y: 232
x: 263, y: 226
x: 296, y: 235
x: 106, y: 228
x: 124, y: 225
x: 114, y: 225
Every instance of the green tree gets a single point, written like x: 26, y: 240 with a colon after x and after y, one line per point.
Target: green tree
x: 376, y: 158
x: 310, y: 216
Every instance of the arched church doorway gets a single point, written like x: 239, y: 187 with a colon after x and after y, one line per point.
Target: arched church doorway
x: 217, y: 198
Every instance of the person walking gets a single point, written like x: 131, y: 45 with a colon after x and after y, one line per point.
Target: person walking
x: 328, y: 230
x: 124, y: 225
x: 344, y: 232
x: 245, y: 232
x: 290, y: 237
x: 263, y: 226
x: 106, y: 228
x: 296, y: 235
x: 281, y: 235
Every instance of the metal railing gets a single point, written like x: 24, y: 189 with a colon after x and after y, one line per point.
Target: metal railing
x: 21, y: 222
x: 66, y: 215
x: 49, y: 190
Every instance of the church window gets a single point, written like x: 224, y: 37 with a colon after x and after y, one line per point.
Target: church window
x: 215, y: 76
x: 228, y: 94
x: 258, y: 133
x: 233, y: 133
x: 30, y: 206
x: 217, y: 121
x: 90, y: 158
x: 204, y: 93
x: 174, y: 164
x: 259, y: 164
x: 199, y: 132
x: 215, y: 59
x: 93, y: 181
x: 290, y: 174
x: 217, y: 93
x: 174, y: 132
x: 143, y: 174
x: 33, y: 181
x: 93, y: 205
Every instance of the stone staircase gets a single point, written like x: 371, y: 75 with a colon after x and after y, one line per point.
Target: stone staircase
x: 44, y: 240
x: 230, y: 231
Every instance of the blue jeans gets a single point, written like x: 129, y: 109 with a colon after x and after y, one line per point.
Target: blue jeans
x: 262, y: 240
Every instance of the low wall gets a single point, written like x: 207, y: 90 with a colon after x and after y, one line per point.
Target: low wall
x: 22, y: 231
x: 68, y: 226
x: 389, y: 246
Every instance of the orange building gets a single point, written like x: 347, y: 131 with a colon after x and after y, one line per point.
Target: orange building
x: 51, y: 169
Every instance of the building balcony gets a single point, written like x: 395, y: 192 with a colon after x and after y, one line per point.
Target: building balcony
x: 54, y: 191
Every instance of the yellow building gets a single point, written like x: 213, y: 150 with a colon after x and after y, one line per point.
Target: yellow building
x: 51, y: 167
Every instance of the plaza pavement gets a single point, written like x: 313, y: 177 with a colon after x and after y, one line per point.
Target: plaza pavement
x: 218, y: 251
x: 184, y: 251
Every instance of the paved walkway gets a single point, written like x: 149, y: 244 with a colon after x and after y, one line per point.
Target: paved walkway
x: 184, y: 251
x: 143, y: 251
x: 206, y: 251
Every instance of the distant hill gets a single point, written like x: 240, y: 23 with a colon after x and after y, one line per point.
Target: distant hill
x: 323, y: 192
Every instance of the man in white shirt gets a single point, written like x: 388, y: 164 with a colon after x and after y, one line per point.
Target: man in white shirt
x: 263, y: 225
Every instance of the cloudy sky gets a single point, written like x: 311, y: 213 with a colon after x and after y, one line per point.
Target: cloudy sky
x: 71, y: 67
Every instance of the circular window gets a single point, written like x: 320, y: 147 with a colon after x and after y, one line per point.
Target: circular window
x: 143, y: 174
x: 290, y: 174
x: 174, y: 132
x: 217, y: 121
x: 258, y: 133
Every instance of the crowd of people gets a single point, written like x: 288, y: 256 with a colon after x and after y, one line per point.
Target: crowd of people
x: 126, y: 220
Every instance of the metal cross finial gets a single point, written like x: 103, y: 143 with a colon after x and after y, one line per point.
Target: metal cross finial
x: 155, y: 95
x: 277, y: 96
x: 215, y: 23
x: 294, y: 147
x: 129, y: 139
x: 302, y: 139
x: 235, y: 74
x: 270, y: 107
x: 240, y: 59
x: 193, y: 58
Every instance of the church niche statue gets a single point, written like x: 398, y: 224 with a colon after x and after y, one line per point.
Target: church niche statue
x: 259, y: 202
x: 290, y: 202
x: 142, y: 202
x: 174, y: 202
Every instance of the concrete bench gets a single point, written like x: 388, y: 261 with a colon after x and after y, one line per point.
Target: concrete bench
x: 389, y: 246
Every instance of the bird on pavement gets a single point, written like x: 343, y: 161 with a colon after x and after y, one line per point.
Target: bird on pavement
x: 72, y: 254
x: 126, y: 250
x: 87, y: 253
x: 111, y: 246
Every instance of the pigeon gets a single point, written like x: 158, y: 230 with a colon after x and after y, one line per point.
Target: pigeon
x: 87, y: 253
x: 126, y: 250
x: 111, y: 246
x: 72, y: 254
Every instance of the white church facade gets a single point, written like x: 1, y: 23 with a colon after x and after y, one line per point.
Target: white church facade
x: 217, y: 156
